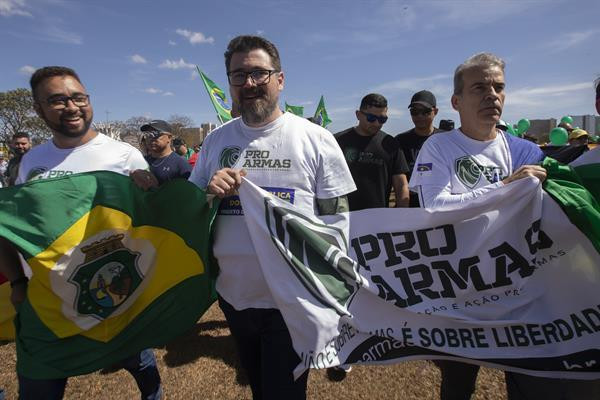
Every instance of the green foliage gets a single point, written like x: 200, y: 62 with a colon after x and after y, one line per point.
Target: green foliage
x: 18, y: 115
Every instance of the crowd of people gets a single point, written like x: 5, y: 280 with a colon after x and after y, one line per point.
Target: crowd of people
x: 326, y: 174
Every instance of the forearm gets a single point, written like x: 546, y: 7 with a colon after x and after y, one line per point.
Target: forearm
x: 10, y: 265
x: 400, y: 184
x: 437, y: 197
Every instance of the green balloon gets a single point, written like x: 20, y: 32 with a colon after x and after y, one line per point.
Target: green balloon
x: 510, y: 129
x: 559, y: 136
x: 523, y: 126
x: 567, y: 119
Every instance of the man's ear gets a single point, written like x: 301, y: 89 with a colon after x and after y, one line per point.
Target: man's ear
x: 455, y: 101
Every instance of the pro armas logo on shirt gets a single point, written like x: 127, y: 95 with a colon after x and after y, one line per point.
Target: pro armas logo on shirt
x: 229, y: 156
x: 469, y: 172
x: 43, y: 173
x: 263, y: 160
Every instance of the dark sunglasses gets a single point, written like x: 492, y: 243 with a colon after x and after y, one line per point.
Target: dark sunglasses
x: 373, y: 117
x: 420, y: 111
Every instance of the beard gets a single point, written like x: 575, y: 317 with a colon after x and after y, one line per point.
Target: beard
x: 62, y: 128
x: 257, y: 109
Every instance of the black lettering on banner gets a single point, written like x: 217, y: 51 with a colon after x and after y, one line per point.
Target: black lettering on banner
x: 503, y: 269
x: 392, y: 250
x: 386, y: 292
x: 421, y: 285
x: 364, y: 258
x: 428, y: 251
x: 467, y: 270
x: 543, y: 240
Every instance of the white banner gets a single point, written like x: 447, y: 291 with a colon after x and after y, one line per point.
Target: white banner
x: 507, y: 282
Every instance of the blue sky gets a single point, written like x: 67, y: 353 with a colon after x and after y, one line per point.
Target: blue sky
x: 137, y: 57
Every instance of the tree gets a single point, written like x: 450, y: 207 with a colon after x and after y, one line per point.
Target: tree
x: 112, y: 129
x: 178, y: 122
x: 18, y: 115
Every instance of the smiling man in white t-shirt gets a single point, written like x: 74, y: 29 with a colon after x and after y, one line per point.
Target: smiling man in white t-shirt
x: 288, y: 156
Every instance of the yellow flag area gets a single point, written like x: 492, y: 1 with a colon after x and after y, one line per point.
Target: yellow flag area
x: 7, y: 313
x: 103, y: 260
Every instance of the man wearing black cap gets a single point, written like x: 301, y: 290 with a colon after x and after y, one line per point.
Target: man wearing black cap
x: 422, y: 111
x: 164, y: 163
x: 373, y: 158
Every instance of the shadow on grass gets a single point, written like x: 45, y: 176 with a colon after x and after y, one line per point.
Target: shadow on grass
x: 199, y: 342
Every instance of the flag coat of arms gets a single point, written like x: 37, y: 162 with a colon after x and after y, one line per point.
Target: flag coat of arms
x: 114, y: 269
x: 509, y: 282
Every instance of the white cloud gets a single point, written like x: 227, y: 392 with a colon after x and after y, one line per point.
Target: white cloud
x: 539, y: 96
x: 152, y: 90
x: 27, y: 70
x: 54, y: 33
x: 260, y: 32
x: 414, y: 84
x: 9, y: 8
x: 168, y: 94
x: 172, y: 43
x: 195, y: 37
x: 137, y: 59
x: 170, y: 64
x: 571, y: 39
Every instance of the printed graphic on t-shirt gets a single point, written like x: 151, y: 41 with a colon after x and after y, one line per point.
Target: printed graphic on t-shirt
x: 470, y: 172
x: 38, y: 173
x: 229, y: 156
x: 352, y: 155
x: 257, y: 159
x: 231, y: 205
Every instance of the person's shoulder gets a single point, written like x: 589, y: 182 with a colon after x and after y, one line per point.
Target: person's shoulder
x: 37, y: 151
x: 220, y: 132
x: 441, y: 137
x: 344, y: 133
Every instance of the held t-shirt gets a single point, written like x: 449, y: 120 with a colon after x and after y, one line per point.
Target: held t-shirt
x: 291, y: 157
x: 99, y: 154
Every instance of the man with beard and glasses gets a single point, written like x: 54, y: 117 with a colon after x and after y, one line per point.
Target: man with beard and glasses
x: 285, y: 154
x: 458, y: 166
x: 422, y: 111
x: 20, y: 144
x: 373, y: 157
x: 61, y: 100
x: 164, y: 163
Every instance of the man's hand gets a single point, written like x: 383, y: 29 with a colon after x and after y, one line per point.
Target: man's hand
x: 527, y: 171
x: 18, y: 294
x: 144, y: 179
x: 225, y: 182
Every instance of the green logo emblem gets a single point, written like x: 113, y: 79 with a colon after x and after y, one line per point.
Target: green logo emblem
x: 36, y: 173
x: 351, y: 154
x: 316, y: 254
x: 108, y: 277
x: 229, y: 156
x: 470, y: 172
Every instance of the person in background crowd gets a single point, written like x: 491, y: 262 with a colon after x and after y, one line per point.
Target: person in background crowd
x: 423, y: 109
x: 305, y: 163
x: 164, y: 163
x: 3, y: 167
x: 194, y: 158
x: 578, y: 137
x: 182, y: 149
x: 375, y: 162
x: 61, y: 100
x: 20, y: 144
x: 446, y: 125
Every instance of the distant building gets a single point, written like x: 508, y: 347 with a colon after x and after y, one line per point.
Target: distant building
x: 194, y: 136
x: 540, y: 128
x: 207, y: 127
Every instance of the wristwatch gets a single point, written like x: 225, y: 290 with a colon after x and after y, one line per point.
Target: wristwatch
x: 19, y: 281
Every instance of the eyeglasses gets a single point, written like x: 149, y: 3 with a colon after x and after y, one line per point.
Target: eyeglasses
x: 258, y: 77
x: 60, y: 102
x: 420, y: 111
x: 153, y: 135
x: 373, y: 117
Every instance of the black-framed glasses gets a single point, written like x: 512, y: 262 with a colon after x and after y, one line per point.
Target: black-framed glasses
x: 60, y: 102
x: 420, y: 111
x: 153, y: 134
x: 372, y: 117
x: 258, y: 77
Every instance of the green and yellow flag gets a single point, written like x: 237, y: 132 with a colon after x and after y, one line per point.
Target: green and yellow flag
x: 115, y: 269
x: 321, y: 117
x: 217, y: 97
x: 298, y: 110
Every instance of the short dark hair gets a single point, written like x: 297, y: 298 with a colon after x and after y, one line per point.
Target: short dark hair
x: 246, y: 43
x: 18, y: 135
x: 373, y: 100
x: 49, y: 72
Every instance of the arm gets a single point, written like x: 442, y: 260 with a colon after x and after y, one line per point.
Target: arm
x: 333, y: 206
x: 10, y: 267
x: 225, y: 182
x: 400, y: 184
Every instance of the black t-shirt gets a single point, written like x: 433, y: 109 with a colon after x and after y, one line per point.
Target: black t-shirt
x: 170, y: 167
x: 372, y: 160
x: 411, y: 144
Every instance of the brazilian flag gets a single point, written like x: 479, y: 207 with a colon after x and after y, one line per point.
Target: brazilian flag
x: 217, y: 98
x: 321, y: 116
x: 297, y: 110
x: 115, y: 269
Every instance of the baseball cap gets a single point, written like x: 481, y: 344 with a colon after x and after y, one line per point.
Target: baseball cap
x: 577, y: 133
x: 424, y: 98
x: 157, y: 125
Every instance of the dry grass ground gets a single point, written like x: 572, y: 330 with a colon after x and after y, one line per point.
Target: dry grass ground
x: 203, y: 365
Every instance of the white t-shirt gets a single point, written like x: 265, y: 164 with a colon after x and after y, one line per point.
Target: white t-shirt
x: 451, y: 164
x: 290, y: 157
x: 99, y: 154
x: 589, y: 157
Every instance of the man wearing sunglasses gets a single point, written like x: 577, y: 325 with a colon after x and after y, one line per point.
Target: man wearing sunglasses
x: 164, y: 163
x: 61, y: 100
x: 293, y: 158
x: 422, y: 111
x: 373, y: 158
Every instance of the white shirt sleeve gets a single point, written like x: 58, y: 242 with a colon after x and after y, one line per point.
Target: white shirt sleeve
x: 432, y: 180
x: 333, y: 176
x: 135, y: 161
